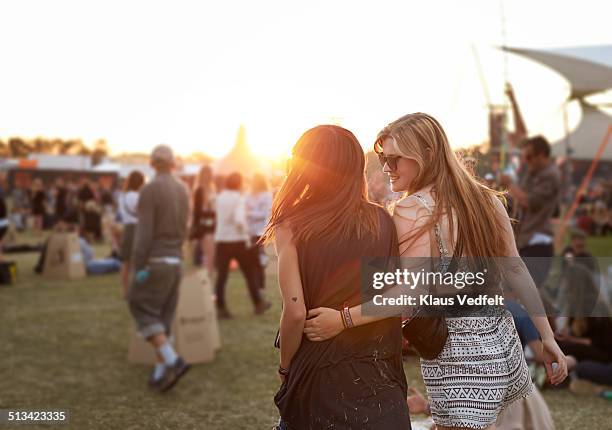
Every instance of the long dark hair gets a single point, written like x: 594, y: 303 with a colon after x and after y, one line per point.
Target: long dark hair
x: 325, y: 192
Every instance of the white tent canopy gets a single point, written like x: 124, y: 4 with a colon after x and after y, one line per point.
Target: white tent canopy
x: 587, y: 136
x: 588, y: 69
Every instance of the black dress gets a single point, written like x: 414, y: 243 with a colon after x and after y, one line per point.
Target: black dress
x: 355, y: 380
x: 203, y: 221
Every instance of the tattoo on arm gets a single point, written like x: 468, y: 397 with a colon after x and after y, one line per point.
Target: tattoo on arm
x: 294, y: 299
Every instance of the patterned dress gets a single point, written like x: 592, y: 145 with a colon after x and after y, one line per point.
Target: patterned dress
x: 481, y: 369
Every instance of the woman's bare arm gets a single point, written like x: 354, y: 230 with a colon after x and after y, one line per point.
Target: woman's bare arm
x: 294, y: 309
x: 516, y: 276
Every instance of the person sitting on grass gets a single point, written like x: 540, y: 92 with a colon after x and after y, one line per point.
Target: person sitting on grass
x: 96, y: 266
x: 590, y: 377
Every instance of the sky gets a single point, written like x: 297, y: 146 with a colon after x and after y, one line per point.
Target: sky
x: 188, y: 73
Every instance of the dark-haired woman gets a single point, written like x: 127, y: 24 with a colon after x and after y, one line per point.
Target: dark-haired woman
x: 128, y: 212
x: 324, y: 225
x: 203, y: 222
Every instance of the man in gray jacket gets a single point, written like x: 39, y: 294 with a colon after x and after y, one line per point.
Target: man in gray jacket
x: 538, y: 197
x: 163, y: 209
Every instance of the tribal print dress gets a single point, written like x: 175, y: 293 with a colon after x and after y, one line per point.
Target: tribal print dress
x: 482, y: 368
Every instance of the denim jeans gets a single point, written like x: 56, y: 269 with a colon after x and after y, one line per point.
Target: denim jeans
x: 102, y: 266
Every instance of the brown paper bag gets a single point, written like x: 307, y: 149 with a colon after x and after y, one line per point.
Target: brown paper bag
x: 63, y: 258
x: 194, y: 330
x: 213, y: 327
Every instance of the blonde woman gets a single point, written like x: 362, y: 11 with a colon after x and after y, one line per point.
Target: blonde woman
x: 481, y: 369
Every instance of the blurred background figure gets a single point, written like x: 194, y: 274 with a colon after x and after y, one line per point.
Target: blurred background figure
x: 85, y: 193
x: 591, y: 377
x: 92, y: 221
x: 38, y: 205
x: 128, y: 214
x: 20, y: 206
x: 232, y: 242
x: 163, y: 214
x: 4, y: 219
x: 489, y: 179
x: 602, y: 224
x: 537, y: 198
x: 61, y: 199
x: 219, y: 183
x: 203, y: 221
x: 93, y: 265
x: 259, y: 208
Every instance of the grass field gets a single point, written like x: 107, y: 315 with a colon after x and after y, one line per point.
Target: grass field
x: 64, y: 345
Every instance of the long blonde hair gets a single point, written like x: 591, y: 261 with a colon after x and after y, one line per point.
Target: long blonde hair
x: 420, y: 137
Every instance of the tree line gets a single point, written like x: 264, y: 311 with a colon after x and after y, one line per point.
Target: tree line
x: 17, y: 147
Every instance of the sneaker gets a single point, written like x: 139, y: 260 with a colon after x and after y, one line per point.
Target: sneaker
x: 173, y: 374
x: 262, y: 307
x: 154, y: 383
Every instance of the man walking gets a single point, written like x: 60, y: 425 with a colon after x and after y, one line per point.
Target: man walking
x: 163, y: 210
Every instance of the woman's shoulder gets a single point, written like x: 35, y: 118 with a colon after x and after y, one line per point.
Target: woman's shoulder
x: 499, y: 203
x: 412, y: 206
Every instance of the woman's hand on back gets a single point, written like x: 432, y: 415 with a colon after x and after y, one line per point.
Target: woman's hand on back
x: 322, y: 324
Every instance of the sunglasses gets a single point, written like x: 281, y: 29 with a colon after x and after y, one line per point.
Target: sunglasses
x: 389, y: 160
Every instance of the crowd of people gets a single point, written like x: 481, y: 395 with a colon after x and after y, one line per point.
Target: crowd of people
x: 146, y: 223
x: 339, y: 365
x: 42, y: 205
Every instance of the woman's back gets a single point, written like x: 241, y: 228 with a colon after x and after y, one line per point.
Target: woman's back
x: 359, y: 373
x: 331, y: 269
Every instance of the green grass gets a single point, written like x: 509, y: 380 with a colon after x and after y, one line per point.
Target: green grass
x: 64, y: 345
x: 600, y: 246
